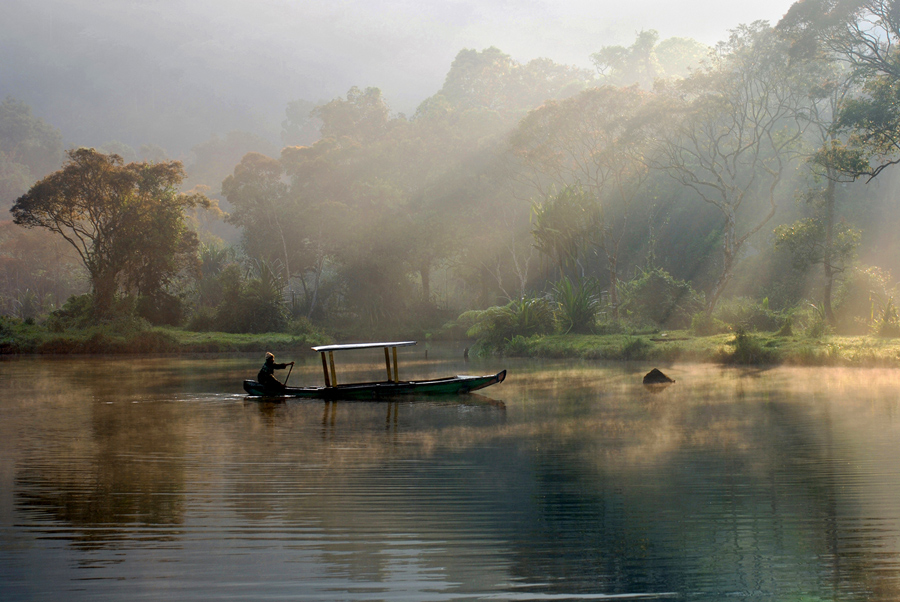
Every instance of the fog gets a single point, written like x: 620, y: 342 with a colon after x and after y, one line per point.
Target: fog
x: 175, y: 72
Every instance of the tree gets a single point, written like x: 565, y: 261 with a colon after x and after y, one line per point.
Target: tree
x: 645, y: 60
x: 363, y: 116
x: 29, y: 149
x: 864, y: 34
x: 492, y: 80
x: 126, y: 222
x: 300, y: 127
x: 595, y: 141
x: 732, y: 130
x: 822, y: 237
x: 562, y: 225
x: 258, y: 197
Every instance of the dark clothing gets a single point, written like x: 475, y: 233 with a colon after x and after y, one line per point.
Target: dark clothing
x: 266, y: 376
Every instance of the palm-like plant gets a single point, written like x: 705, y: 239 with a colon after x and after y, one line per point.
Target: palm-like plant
x: 577, y: 304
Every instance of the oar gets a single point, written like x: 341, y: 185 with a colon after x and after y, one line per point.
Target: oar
x: 289, y: 374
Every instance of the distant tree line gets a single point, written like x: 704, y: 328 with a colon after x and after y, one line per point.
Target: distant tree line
x: 674, y: 186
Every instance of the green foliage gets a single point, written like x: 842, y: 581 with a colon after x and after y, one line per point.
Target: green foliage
x: 860, y: 299
x: 634, y: 348
x: 655, y: 297
x: 748, y: 314
x: 496, y: 325
x: 747, y: 349
x: 805, y: 239
x: 577, y: 304
x: 886, y: 321
x: 29, y: 149
x: 161, y: 309
x: 203, y: 319
x: 609, y: 326
x: 77, y: 312
x: 562, y: 225
x: 645, y: 61
x: 252, y: 304
x: 28, y: 305
x: 126, y: 222
x: 703, y: 324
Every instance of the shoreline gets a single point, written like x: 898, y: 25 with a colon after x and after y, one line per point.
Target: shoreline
x: 750, y: 348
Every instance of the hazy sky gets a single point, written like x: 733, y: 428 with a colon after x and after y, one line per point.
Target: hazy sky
x: 404, y: 45
x: 257, y: 55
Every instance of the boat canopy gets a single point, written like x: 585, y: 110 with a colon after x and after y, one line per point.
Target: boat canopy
x: 391, y: 367
x: 323, y: 348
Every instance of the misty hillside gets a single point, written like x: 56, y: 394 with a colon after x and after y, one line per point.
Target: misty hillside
x: 173, y: 73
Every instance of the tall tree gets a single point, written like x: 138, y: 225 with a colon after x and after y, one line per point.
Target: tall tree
x: 822, y: 237
x: 647, y: 60
x: 362, y: 116
x: 29, y: 149
x: 865, y: 34
x: 595, y: 141
x: 562, y: 225
x: 258, y: 197
x: 126, y: 222
x: 731, y: 131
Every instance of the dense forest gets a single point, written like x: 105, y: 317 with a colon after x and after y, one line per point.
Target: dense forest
x: 673, y: 186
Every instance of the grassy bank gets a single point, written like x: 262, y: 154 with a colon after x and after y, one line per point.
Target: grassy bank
x: 732, y: 348
x: 17, y: 337
x: 20, y: 338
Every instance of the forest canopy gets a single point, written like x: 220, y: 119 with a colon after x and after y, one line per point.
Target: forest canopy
x: 673, y: 186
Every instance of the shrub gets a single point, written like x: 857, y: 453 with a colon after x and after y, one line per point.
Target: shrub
x: 861, y: 298
x: 301, y: 327
x: 253, y: 305
x: 702, y: 324
x: 577, y: 304
x: 517, y: 346
x: 152, y: 341
x: 656, y: 297
x: 497, y: 325
x: 748, y: 314
x: 634, y: 348
x: 748, y: 350
x: 202, y: 320
x: 77, y: 312
x: 887, y: 323
x: 161, y: 309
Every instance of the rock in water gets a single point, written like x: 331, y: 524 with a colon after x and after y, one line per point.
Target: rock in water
x: 655, y: 377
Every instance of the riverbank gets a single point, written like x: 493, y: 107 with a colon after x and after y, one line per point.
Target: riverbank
x: 742, y: 348
x: 30, y: 339
x: 750, y: 348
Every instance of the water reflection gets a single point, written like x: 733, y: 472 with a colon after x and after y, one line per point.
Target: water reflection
x: 780, y: 484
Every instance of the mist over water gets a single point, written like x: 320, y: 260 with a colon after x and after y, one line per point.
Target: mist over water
x: 570, y: 481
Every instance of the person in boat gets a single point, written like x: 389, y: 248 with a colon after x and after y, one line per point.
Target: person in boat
x: 266, y: 376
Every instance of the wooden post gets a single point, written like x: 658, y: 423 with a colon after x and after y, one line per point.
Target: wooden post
x: 387, y: 363
x: 396, y: 371
x: 325, y: 369
x: 333, y: 375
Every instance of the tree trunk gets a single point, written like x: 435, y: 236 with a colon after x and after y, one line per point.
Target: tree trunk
x: 425, y: 272
x: 320, y: 265
x: 613, y: 262
x: 103, y: 286
x: 829, y: 251
x: 729, y: 251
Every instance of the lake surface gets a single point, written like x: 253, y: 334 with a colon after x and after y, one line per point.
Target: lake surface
x: 124, y: 478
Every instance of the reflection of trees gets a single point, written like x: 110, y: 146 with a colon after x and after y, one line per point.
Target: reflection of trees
x: 721, y: 488
x: 108, y: 464
x: 587, y: 483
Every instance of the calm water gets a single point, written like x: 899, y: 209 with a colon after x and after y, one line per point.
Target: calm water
x: 142, y: 478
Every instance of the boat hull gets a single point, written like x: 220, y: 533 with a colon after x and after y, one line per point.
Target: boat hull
x: 452, y: 385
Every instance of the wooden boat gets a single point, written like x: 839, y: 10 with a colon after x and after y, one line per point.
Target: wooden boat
x: 392, y: 387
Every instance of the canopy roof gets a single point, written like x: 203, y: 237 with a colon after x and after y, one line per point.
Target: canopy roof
x: 323, y: 348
